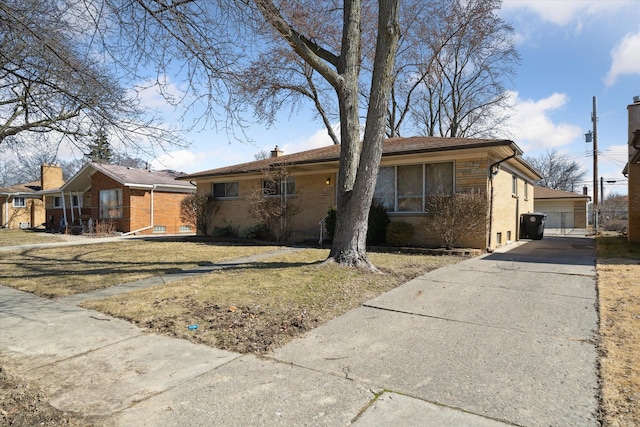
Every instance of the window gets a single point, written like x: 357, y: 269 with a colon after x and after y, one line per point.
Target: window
x: 76, y: 201
x: 509, y: 236
x: 514, y: 185
x: 111, y: 203
x: 406, y: 188
x: 499, y: 238
x: 225, y: 189
x: 159, y: 228
x: 277, y: 187
x: 526, y: 191
x: 19, y: 202
x: 57, y: 202
x: 185, y: 229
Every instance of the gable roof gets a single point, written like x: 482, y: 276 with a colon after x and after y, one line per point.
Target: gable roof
x: 21, y: 189
x: 392, y: 147
x: 546, y: 193
x: 127, y: 177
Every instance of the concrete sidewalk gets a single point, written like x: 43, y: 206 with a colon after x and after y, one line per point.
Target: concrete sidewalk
x: 502, y: 339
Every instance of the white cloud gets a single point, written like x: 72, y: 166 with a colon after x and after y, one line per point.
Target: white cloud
x: 532, y: 126
x: 625, y: 58
x: 158, y: 96
x: 319, y: 139
x: 177, y: 160
x: 565, y: 12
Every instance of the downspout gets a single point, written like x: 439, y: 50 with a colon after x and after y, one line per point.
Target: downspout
x: 151, y: 216
x: 6, y: 210
x: 491, y: 175
x: 64, y: 210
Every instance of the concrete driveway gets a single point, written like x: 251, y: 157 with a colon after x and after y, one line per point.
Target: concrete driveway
x: 502, y: 339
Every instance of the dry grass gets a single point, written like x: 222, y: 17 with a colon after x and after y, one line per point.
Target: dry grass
x: 68, y: 270
x: 256, y: 308
x: 618, y: 268
x: 25, y: 237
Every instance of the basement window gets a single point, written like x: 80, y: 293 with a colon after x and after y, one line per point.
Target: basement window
x: 185, y: 229
x: 159, y: 228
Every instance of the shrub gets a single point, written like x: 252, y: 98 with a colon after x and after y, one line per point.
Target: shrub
x: 256, y: 232
x: 378, y: 222
x: 330, y: 222
x: 198, y: 210
x: 452, y: 216
x: 399, y: 233
x: 227, y: 231
x: 377, y: 226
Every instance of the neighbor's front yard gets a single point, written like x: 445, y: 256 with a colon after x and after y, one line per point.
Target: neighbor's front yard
x: 618, y: 268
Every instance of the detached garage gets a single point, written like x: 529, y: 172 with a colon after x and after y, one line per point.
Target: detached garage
x: 565, y: 210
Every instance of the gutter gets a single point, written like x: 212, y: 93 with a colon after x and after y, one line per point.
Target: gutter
x: 491, y: 175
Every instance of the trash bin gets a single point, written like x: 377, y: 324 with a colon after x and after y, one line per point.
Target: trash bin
x: 532, y: 225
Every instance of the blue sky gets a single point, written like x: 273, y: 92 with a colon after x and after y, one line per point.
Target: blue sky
x: 571, y: 50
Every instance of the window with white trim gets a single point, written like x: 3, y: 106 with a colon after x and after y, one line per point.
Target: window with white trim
x: 526, y: 190
x: 221, y: 190
x: 185, y: 229
x: 19, y: 202
x: 407, y: 188
x: 514, y: 185
x: 111, y: 203
x: 76, y: 201
x: 278, y: 187
x: 57, y: 201
x: 159, y: 228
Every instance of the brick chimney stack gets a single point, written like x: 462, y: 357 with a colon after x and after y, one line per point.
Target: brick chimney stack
x: 277, y: 152
x: 50, y: 176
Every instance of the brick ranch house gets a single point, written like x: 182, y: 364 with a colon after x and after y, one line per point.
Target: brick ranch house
x: 411, y: 169
x: 136, y: 201
x: 632, y: 170
x: 22, y: 205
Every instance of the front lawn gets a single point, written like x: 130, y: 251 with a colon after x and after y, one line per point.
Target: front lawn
x: 60, y: 271
x: 253, y: 309
x: 10, y: 237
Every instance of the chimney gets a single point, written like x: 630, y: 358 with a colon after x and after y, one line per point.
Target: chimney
x: 50, y: 176
x: 276, y: 152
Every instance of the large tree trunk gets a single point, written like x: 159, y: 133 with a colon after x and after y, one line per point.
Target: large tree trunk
x: 359, y: 164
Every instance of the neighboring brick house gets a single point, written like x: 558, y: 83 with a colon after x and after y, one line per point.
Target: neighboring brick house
x: 564, y: 209
x: 632, y: 170
x: 135, y: 201
x: 411, y: 169
x: 23, y: 205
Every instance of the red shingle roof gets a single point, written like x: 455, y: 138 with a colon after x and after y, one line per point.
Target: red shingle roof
x: 392, y: 146
x: 29, y: 187
x: 128, y: 175
x: 540, y: 192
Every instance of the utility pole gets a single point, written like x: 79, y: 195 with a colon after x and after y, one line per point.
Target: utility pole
x: 594, y: 120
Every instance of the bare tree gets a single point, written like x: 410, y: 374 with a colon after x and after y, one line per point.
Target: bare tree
x: 213, y: 45
x: 272, y: 204
x: 53, y: 83
x: 558, y: 170
x: 454, y: 60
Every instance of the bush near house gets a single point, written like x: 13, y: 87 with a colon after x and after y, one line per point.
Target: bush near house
x: 378, y: 222
x: 449, y: 217
x: 399, y: 233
